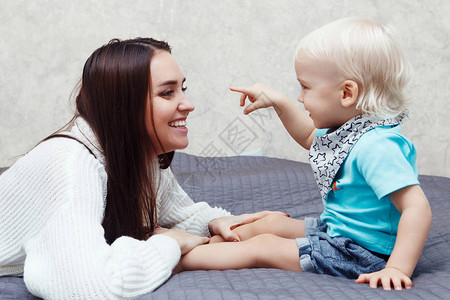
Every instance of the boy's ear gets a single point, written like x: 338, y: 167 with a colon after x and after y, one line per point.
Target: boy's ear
x: 350, y: 93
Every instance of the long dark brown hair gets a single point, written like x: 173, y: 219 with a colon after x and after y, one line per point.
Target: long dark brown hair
x: 115, y: 86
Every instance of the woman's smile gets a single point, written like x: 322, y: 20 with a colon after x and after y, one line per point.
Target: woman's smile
x: 179, y: 125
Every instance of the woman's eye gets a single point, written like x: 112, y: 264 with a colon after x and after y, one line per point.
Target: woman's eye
x: 167, y: 93
x: 183, y: 89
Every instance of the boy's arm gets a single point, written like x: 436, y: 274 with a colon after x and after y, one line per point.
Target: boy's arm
x: 412, y: 232
x: 299, y: 125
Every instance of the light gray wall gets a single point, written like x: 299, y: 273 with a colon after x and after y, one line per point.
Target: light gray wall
x: 218, y: 43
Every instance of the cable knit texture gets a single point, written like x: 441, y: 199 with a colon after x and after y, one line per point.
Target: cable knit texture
x: 52, y: 202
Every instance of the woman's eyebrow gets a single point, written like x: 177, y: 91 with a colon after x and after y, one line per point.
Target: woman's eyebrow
x: 171, y: 82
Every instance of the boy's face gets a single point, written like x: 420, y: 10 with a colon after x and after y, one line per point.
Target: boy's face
x: 321, y: 91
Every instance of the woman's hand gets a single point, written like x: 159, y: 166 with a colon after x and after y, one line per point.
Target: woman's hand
x: 186, y: 240
x: 386, y: 277
x: 224, y: 225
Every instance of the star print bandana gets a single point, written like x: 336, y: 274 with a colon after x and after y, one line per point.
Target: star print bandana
x: 329, y: 151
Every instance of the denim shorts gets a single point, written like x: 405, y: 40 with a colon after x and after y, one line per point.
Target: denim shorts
x: 337, y: 256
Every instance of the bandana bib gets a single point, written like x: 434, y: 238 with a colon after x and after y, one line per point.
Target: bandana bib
x: 329, y: 151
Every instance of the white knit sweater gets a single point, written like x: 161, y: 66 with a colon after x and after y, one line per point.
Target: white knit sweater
x: 52, y: 202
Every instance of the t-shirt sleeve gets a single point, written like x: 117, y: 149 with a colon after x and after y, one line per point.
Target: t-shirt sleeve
x: 387, y: 162
x: 320, y: 132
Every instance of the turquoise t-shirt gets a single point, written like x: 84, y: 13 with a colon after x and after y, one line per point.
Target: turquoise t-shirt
x: 358, y: 207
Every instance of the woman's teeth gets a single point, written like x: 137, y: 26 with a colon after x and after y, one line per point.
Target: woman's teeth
x: 177, y: 124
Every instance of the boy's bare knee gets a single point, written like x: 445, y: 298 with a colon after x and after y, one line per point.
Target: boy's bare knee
x: 270, y: 223
x: 274, y: 219
x: 272, y: 251
x: 282, y: 226
x: 264, y: 245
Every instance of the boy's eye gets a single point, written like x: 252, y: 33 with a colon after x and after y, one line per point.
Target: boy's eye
x: 303, y: 87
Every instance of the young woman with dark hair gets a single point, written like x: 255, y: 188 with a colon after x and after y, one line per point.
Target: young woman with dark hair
x: 93, y: 211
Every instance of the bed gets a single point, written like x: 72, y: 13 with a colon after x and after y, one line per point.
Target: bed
x: 243, y: 184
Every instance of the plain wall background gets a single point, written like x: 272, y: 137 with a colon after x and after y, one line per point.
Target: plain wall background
x: 44, y: 45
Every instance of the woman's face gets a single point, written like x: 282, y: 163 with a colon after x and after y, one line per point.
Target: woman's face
x: 170, y: 105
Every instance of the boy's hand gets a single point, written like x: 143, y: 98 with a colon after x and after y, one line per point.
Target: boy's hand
x: 386, y: 276
x: 299, y: 125
x: 260, y: 95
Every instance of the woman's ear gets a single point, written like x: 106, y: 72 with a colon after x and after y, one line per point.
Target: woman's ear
x: 350, y: 93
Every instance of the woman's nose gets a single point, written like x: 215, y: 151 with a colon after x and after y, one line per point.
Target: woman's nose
x: 186, y: 105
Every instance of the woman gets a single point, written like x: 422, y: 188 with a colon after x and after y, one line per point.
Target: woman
x: 85, y: 214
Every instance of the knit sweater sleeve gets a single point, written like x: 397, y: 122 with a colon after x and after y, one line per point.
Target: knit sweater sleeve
x: 176, y: 209
x: 67, y: 255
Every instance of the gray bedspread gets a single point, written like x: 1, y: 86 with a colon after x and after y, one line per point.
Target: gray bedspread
x: 248, y: 184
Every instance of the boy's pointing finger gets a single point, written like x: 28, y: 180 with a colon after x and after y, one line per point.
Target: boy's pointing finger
x: 242, y: 90
x: 239, y: 89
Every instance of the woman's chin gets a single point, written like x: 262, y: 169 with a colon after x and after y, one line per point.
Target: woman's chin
x: 178, y: 146
x: 184, y: 146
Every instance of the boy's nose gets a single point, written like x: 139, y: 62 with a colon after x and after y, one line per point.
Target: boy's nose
x: 300, y: 98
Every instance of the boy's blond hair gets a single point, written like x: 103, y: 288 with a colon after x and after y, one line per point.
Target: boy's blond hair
x: 367, y: 53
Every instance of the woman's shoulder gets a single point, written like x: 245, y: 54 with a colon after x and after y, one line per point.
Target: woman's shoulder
x: 51, y: 174
x: 57, y: 157
x: 64, y: 148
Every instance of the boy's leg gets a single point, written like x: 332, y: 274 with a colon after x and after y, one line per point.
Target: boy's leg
x: 279, y: 225
x: 264, y: 251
